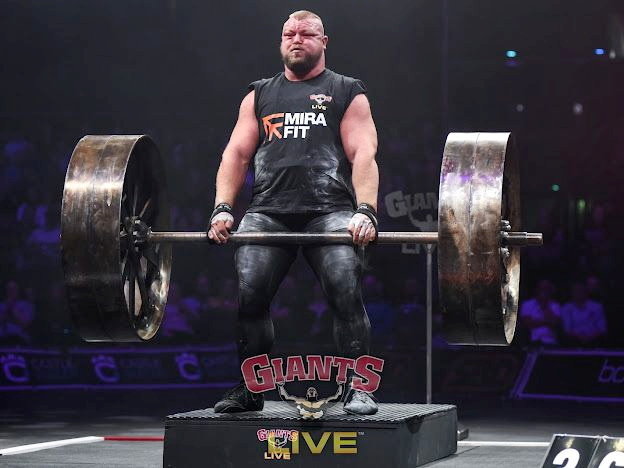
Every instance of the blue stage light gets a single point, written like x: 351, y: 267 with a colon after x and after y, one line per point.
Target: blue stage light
x: 599, y: 51
x: 511, y: 54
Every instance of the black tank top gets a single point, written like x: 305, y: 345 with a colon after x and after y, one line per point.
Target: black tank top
x: 300, y: 165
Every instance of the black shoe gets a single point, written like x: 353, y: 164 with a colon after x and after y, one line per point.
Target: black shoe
x: 359, y: 402
x: 239, y: 399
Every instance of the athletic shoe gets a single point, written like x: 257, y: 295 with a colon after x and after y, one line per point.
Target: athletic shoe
x: 359, y: 402
x: 239, y: 399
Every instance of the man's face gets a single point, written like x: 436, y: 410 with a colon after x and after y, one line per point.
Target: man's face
x: 303, y: 43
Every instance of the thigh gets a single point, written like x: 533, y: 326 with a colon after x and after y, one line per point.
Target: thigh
x: 332, y: 222
x: 262, y: 268
x: 338, y: 268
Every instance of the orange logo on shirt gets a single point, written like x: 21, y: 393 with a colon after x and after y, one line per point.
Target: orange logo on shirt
x: 271, y: 128
x: 293, y: 125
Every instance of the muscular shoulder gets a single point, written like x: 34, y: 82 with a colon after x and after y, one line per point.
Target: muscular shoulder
x: 351, y: 86
x: 262, y: 82
x: 347, y: 81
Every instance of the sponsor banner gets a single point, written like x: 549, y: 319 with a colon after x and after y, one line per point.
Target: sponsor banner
x: 456, y: 372
x: 420, y: 208
x: 573, y: 375
x: 117, y: 368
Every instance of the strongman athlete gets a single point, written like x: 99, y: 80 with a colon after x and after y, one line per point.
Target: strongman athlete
x: 312, y: 139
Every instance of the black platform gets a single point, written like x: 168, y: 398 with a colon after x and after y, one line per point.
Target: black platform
x: 399, y: 435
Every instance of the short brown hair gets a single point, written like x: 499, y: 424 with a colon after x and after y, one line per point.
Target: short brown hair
x: 306, y: 14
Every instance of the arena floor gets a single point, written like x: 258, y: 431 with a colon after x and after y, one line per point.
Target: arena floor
x: 501, y: 433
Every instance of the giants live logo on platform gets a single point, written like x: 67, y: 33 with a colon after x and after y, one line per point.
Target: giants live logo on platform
x: 262, y: 374
x: 282, y: 444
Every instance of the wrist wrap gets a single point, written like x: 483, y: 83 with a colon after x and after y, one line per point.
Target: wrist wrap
x: 220, y: 208
x: 369, y: 211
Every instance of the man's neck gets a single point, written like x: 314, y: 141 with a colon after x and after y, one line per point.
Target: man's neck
x: 313, y: 73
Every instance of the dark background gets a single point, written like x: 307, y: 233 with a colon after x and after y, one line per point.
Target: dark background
x: 177, y: 70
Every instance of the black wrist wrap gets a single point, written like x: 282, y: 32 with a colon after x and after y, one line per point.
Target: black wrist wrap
x: 369, y: 211
x: 220, y: 208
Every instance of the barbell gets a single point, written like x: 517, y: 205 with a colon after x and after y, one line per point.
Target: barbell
x: 116, y: 251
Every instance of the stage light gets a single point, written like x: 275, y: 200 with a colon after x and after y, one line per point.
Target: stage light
x: 599, y: 51
x: 519, y: 107
x: 577, y: 108
x: 580, y: 205
x: 511, y: 54
x: 555, y: 187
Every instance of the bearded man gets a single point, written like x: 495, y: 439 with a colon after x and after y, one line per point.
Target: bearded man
x: 311, y: 136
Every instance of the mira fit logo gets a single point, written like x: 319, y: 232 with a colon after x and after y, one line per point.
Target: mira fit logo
x: 291, y: 124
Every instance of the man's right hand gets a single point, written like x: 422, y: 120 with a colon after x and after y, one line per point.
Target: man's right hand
x: 220, y: 227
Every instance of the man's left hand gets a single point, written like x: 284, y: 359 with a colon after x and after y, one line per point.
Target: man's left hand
x: 362, y: 229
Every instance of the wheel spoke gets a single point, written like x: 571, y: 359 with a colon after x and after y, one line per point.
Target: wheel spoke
x: 135, y: 198
x: 124, y: 210
x: 131, y: 290
x: 140, y: 276
x: 125, y: 269
x: 147, y: 208
x: 151, y: 255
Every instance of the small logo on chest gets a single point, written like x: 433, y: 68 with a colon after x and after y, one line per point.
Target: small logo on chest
x: 320, y: 99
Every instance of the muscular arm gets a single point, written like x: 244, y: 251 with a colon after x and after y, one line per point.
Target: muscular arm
x: 359, y: 140
x: 233, y: 167
x: 237, y: 153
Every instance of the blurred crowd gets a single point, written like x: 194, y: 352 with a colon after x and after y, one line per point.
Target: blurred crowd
x: 574, y: 296
x: 569, y: 286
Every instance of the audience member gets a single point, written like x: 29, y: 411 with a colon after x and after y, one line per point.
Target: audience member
x: 16, y: 316
x: 595, y: 289
x: 541, y: 315
x: 179, y: 320
x: 584, y: 321
x: 44, y: 239
x: 31, y: 211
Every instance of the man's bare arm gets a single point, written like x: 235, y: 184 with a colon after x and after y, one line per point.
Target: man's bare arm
x: 237, y: 153
x: 234, y: 164
x: 359, y: 140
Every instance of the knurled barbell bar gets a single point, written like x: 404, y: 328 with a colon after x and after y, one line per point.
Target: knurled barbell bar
x: 117, y: 257
x: 520, y: 239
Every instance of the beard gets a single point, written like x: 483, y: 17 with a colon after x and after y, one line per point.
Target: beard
x: 302, y: 64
